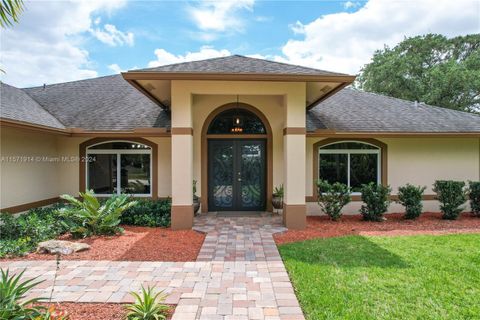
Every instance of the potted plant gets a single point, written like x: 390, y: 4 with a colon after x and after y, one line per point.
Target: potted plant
x: 277, y: 197
x: 196, y: 200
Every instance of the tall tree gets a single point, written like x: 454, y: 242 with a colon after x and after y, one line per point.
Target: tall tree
x: 429, y: 68
x: 9, y: 12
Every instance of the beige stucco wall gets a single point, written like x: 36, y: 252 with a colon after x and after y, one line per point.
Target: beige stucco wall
x: 31, y: 180
x: 36, y: 180
x: 418, y: 161
x: 69, y: 170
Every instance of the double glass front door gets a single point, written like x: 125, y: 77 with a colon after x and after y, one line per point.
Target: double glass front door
x: 236, y: 175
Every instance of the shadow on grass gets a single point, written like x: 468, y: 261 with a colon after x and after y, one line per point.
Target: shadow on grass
x: 348, y: 252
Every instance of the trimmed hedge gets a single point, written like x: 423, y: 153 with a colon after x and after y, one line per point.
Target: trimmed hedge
x: 332, y: 198
x: 376, y: 198
x: 148, y: 213
x: 451, y: 195
x: 410, y: 197
x: 474, y: 196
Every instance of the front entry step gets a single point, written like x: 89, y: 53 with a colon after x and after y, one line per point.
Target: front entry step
x: 229, y: 214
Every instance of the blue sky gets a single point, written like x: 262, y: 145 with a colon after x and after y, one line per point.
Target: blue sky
x: 58, y: 41
x: 265, y: 29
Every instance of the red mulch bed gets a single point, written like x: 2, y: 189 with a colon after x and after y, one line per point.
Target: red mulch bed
x: 97, y: 311
x: 136, y: 244
x: 428, y: 223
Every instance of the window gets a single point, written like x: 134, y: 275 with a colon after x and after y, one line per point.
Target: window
x: 119, y: 167
x: 236, y: 121
x: 351, y: 163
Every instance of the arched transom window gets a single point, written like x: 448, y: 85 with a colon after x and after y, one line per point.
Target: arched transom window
x: 349, y: 162
x: 117, y: 167
x: 236, y: 121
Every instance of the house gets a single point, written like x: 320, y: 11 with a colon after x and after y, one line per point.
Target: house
x: 239, y: 126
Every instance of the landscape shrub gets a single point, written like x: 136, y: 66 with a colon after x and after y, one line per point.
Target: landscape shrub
x: 148, y: 213
x: 147, y: 306
x: 13, y: 291
x: 376, y: 198
x: 21, y: 234
x: 92, y: 217
x: 332, y: 198
x: 410, y: 197
x: 474, y: 196
x: 451, y: 195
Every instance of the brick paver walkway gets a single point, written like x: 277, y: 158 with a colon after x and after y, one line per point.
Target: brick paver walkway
x: 238, y: 238
x: 245, y: 280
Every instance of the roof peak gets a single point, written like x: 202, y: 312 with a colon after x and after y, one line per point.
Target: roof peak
x: 227, y: 64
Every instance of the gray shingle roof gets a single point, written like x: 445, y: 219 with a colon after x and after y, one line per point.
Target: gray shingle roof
x: 111, y: 103
x: 239, y: 64
x: 356, y: 111
x: 16, y: 105
x: 105, y: 103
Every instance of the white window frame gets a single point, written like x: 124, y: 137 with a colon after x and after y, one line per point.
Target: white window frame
x: 348, y: 152
x: 118, y: 153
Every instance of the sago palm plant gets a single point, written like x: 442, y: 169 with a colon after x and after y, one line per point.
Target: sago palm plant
x: 147, y: 306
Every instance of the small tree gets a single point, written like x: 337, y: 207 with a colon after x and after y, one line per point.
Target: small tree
x: 376, y: 198
x: 452, y: 196
x: 474, y: 195
x: 332, y: 198
x: 410, y: 197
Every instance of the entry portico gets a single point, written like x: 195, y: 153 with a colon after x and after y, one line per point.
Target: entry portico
x: 278, y: 94
x: 281, y: 106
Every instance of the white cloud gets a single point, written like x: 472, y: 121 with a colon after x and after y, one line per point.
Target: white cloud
x: 297, y: 28
x: 164, y: 57
x: 344, y: 41
x: 46, y: 45
x: 219, y: 16
x: 257, y: 56
x: 112, y: 36
x: 350, y: 4
x: 115, y: 68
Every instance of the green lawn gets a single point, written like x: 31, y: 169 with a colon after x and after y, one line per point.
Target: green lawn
x: 415, y: 277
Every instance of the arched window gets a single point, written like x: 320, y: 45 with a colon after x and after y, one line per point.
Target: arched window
x: 350, y: 162
x: 117, y: 167
x: 236, y: 121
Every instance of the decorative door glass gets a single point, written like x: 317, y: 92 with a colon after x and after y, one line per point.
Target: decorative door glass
x: 236, y: 170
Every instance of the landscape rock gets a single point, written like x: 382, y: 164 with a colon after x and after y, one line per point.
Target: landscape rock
x: 61, y: 247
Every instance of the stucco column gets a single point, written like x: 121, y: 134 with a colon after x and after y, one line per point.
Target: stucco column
x: 182, y: 158
x: 294, y: 148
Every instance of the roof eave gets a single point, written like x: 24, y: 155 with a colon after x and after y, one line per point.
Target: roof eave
x: 32, y: 126
x: 146, y: 75
x: 80, y: 132
x: 328, y: 94
x: 392, y: 134
x: 137, y: 86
